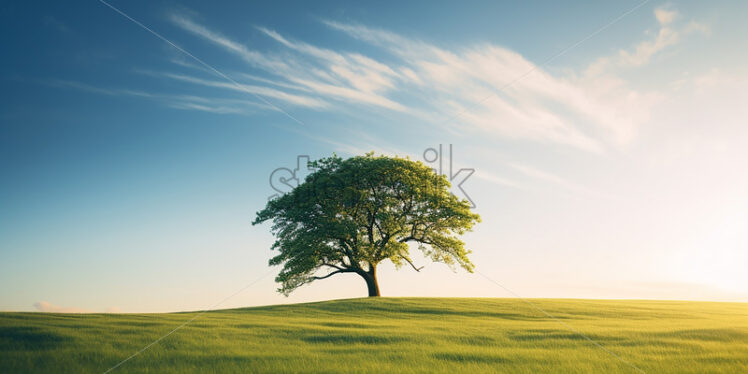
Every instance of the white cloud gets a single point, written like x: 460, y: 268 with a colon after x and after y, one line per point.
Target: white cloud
x: 253, y: 89
x: 497, y: 91
x: 349, y: 94
x: 484, y: 89
x: 347, y: 77
x: 398, y: 44
x: 644, y: 51
x: 667, y: 35
x: 46, y: 307
x: 253, y: 57
x: 665, y: 16
x: 207, y: 108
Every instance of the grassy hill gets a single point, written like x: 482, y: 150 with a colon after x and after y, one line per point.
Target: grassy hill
x: 406, y: 335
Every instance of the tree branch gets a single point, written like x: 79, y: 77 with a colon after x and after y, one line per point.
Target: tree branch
x: 333, y: 273
x: 406, y: 239
x: 333, y: 266
x: 411, y: 263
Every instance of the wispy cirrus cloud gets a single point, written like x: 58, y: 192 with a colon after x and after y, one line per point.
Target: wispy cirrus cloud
x: 216, y: 105
x: 253, y: 57
x: 284, y: 96
x: 590, y: 111
x: 668, y: 34
x: 481, y: 89
x: 350, y: 77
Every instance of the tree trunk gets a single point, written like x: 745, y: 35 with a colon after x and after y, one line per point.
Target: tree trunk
x: 371, y: 281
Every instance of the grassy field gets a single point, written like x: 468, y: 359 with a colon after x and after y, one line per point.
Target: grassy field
x: 405, y: 335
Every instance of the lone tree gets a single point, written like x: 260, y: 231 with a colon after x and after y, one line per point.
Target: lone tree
x: 350, y: 215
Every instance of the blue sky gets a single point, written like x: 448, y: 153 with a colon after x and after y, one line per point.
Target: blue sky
x: 609, y: 144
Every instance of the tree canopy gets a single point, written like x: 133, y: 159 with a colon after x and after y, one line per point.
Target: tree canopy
x: 351, y: 214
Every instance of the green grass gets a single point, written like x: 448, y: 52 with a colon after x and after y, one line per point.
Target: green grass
x: 406, y: 335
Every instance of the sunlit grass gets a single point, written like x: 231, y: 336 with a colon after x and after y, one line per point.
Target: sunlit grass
x: 406, y: 335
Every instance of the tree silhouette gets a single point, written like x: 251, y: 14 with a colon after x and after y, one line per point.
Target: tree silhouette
x: 350, y: 215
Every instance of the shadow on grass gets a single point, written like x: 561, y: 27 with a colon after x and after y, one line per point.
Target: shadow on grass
x: 352, y: 339
x: 713, y: 335
x: 29, y: 338
x: 470, y: 358
x: 544, y: 334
